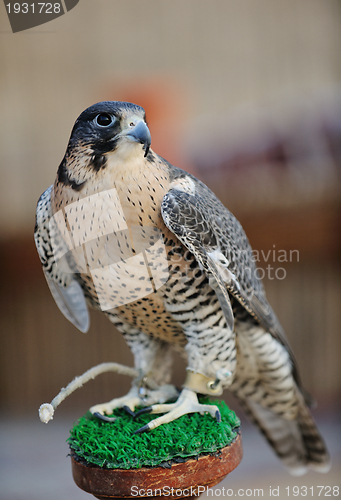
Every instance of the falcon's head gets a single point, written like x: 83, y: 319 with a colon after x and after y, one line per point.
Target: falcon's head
x: 104, y: 128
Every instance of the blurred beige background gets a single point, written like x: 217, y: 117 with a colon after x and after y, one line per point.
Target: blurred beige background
x: 244, y: 94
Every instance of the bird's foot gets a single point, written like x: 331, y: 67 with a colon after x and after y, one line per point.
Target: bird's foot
x: 186, y: 403
x: 137, y: 396
x: 129, y: 401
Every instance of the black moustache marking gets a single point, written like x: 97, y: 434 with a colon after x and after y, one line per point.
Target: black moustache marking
x: 63, y: 178
x: 99, y: 162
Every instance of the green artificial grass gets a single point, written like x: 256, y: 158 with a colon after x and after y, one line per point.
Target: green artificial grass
x: 113, y: 445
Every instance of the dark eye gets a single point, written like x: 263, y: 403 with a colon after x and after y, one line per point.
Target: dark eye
x: 104, y: 120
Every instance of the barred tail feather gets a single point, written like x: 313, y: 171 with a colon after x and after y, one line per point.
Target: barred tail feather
x: 297, y: 443
x: 318, y: 457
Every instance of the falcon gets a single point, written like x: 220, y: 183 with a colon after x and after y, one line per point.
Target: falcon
x: 123, y: 231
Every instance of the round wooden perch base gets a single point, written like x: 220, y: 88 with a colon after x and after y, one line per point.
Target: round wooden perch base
x: 188, y: 479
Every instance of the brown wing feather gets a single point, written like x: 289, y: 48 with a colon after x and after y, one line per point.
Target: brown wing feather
x: 202, y: 223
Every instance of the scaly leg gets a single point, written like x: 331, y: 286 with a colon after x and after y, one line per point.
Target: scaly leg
x: 186, y: 403
x: 153, y: 360
x: 135, y: 397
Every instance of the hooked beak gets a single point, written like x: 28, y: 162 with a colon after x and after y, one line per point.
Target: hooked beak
x: 140, y: 133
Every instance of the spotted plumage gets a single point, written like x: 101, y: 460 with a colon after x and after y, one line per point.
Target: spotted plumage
x: 124, y: 231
